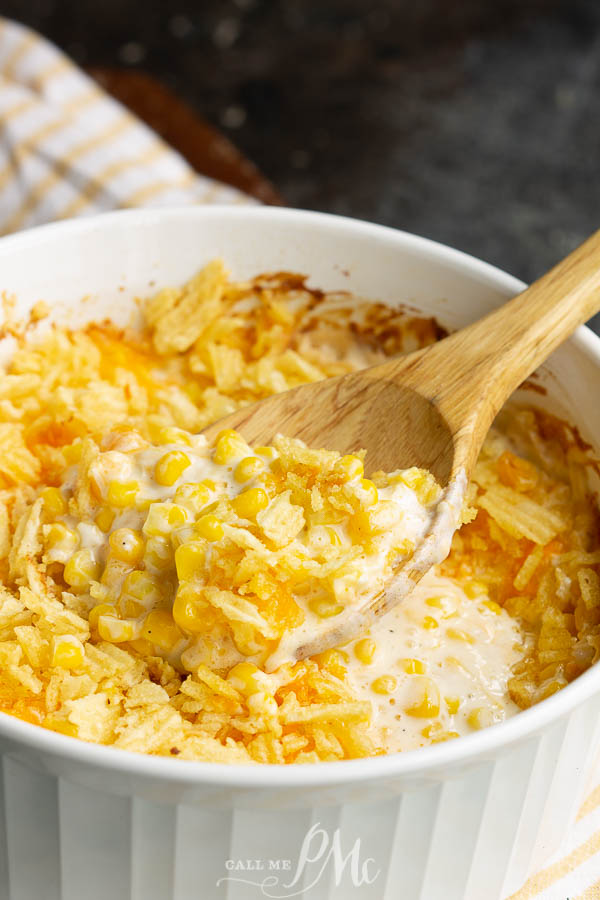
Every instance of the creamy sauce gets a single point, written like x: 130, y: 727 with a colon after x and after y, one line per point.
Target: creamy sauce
x: 457, y: 648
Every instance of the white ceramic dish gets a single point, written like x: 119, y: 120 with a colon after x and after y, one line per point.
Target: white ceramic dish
x: 466, y: 820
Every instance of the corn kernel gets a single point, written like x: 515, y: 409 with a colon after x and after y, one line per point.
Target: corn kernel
x: 143, y: 587
x: 250, y: 502
x: 243, y: 678
x: 444, y: 604
x: 171, y: 467
x: 187, y: 612
x: 162, y: 518
x: 112, y: 576
x: 122, y: 493
x: 436, y: 733
x: 421, y: 482
x: 385, y: 684
x: 158, y: 554
x: 104, y: 519
x: 412, y: 666
x: 127, y: 545
x: 99, y: 591
x: 445, y: 736
x: 57, y: 533
x: 427, y: 699
x: 361, y: 525
x: 189, y: 559
x: 54, y: 502
x: 114, y: 630
x: 248, y: 468
x: 493, y: 606
x: 142, y: 646
x: 458, y: 634
x: 452, y: 704
x: 171, y: 435
x: 267, y: 452
x: 81, y: 569
x: 369, y: 494
x: 209, y: 528
x: 130, y: 608
x: 325, y: 609
x: 60, y: 538
x: 72, y: 452
x: 196, y: 496
x: 481, y: 718
x: 364, y: 650
x: 230, y: 433
x: 474, y: 589
x: 262, y: 704
x: 102, y: 609
x: 429, y: 623
x: 351, y: 467
x: 160, y: 628
x: 246, y: 639
x: 229, y: 446
x: 67, y: 652
x: 435, y: 730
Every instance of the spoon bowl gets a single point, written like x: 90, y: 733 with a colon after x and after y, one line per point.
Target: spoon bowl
x: 354, y: 411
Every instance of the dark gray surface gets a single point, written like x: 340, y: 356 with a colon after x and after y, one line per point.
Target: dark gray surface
x: 474, y: 123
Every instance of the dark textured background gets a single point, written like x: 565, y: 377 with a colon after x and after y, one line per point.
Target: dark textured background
x: 474, y: 123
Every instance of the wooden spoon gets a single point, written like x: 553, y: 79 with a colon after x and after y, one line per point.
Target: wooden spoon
x: 431, y: 409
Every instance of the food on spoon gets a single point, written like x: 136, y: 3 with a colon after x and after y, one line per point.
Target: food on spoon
x: 219, y: 554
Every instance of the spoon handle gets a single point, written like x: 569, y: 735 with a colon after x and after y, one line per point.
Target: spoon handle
x: 514, y: 339
x: 473, y: 371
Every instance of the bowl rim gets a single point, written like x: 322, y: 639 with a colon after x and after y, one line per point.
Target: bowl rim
x: 411, y: 763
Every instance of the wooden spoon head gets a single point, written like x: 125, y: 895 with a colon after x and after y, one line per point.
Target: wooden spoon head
x: 391, y: 420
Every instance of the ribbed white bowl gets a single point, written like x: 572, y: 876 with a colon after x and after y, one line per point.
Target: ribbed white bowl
x: 467, y: 820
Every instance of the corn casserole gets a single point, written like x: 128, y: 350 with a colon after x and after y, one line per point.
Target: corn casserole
x: 150, y: 578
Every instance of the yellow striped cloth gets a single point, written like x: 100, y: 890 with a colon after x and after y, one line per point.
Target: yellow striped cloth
x: 66, y: 149
x: 574, y: 872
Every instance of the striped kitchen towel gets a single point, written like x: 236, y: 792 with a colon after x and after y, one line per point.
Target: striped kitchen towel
x: 67, y: 149
x: 574, y: 872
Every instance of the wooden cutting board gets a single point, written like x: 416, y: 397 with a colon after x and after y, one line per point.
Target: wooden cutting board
x: 206, y: 149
